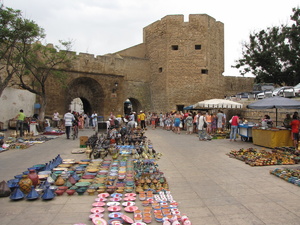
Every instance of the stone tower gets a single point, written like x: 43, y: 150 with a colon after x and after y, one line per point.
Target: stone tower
x: 186, y: 60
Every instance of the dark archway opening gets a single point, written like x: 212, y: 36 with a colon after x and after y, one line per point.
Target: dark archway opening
x: 132, y: 105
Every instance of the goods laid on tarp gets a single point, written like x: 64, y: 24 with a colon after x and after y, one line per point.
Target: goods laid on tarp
x: 127, y: 183
x: 291, y: 175
x: 263, y: 157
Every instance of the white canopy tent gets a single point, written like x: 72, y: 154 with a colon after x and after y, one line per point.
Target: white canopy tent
x: 218, y: 104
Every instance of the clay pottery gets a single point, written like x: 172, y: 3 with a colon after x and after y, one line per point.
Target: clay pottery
x: 17, y: 194
x: 33, y: 194
x: 48, y: 194
x: 72, y: 180
x: 70, y: 191
x: 63, y: 188
x: 59, y: 181
x: 25, y: 184
x: 91, y: 191
x: 32, y: 175
x: 59, y: 192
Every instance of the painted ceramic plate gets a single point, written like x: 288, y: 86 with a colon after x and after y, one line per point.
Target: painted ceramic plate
x: 103, y: 195
x: 99, y: 221
x: 116, y: 195
x: 128, y: 203
x: 130, y: 194
x: 130, y: 208
x: 98, y: 215
x: 115, y: 199
x: 98, y: 204
x: 100, y: 199
x: 114, y: 208
x: 127, y: 219
x: 113, y: 203
x: 97, y: 210
x: 129, y: 198
x: 117, y: 221
x: 115, y: 215
x: 139, y: 223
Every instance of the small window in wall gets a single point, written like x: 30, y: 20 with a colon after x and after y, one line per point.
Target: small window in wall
x: 204, y: 71
x: 174, y: 47
x: 160, y: 69
x: 197, y: 47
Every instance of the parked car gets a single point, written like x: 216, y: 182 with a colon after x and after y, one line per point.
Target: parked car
x: 264, y: 94
x: 285, y: 91
x: 297, y: 90
x: 242, y: 95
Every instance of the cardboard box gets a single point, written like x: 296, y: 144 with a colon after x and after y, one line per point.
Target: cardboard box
x: 83, y: 140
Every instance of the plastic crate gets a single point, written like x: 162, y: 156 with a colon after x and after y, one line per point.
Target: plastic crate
x: 82, y: 146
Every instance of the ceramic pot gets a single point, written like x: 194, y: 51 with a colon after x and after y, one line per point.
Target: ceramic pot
x: 25, y: 184
x: 59, y: 192
x: 48, y: 194
x: 33, y: 194
x: 70, y: 191
x: 17, y: 194
x: 33, y: 177
x: 59, y: 181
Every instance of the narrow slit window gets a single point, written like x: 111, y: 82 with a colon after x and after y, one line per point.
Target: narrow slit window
x: 160, y: 69
x: 204, y: 71
x: 175, y: 47
x: 197, y: 47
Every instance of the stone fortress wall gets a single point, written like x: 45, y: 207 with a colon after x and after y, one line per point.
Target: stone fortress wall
x: 178, y: 64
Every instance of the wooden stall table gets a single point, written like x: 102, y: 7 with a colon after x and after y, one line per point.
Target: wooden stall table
x: 272, y: 138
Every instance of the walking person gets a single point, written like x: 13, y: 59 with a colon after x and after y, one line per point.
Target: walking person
x: 69, y: 118
x: 201, y: 128
x: 177, y: 121
x: 295, y: 124
x: 20, y: 122
x: 234, y: 126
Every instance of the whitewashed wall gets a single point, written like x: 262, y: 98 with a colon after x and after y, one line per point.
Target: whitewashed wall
x: 12, y: 100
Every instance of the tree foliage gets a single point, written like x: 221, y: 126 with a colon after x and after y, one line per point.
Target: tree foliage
x: 16, y: 32
x: 273, y: 54
x: 38, y: 64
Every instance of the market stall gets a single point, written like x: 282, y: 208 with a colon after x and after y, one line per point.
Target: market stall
x: 273, y: 136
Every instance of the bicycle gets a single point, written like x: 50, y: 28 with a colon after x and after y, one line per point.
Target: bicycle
x: 75, y: 131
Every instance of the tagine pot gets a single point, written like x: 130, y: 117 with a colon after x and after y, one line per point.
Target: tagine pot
x: 33, y: 177
x: 25, y: 184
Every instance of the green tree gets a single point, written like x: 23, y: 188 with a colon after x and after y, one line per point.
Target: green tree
x: 272, y: 55
x: 15, y: 32
x: 38, y: 64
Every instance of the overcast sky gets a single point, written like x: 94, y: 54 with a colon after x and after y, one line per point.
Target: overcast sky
x: 107, y: 26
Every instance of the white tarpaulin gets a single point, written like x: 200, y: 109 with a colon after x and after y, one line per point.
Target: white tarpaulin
x: 218, y: 104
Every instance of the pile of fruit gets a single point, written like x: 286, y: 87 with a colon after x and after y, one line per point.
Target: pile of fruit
x: 255, y: 157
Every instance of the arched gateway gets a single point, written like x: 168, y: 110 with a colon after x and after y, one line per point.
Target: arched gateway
x: 89, y: 91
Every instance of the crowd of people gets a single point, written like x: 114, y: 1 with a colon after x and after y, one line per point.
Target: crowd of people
x: 203, y: 123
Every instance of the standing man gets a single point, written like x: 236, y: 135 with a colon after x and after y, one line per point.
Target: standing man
x: 69, y: 118
x: 56, y: 119
x: 94, y: 119
x: 201, y: 129
x: 143, y: 120
x: 20, y: 122
x: 220, y: 118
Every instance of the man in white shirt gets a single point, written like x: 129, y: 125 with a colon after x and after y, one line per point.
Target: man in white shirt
x: 69, y: 118
x: 94, y: 120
